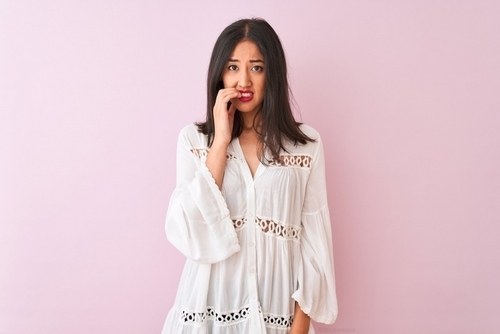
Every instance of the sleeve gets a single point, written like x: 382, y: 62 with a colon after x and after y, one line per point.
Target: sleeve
x: 198, y: 222
x: 316, y: 293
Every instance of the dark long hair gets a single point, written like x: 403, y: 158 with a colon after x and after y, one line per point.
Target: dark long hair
x: 277, y: 121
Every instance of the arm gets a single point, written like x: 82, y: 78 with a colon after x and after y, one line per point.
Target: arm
x: 223, y: 120
x: 316, y: 292
x: 198, y: 222
x: 301, y: 321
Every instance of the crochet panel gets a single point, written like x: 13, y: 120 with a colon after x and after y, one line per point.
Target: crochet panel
x: 270, y: 226
x: 285, y: 160
x: 229, y: 318
x: 238, y: 223
x: 278, y: 321
x: 219, y: 317
x: 292, y: 160
x: 203, y: 153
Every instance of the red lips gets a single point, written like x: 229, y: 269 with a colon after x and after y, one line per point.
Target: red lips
x: 246, y: 96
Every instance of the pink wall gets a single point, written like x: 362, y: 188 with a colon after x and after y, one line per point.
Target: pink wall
x: 93, y: 93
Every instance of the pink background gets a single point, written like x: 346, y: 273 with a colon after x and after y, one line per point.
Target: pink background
x: 93, y: 93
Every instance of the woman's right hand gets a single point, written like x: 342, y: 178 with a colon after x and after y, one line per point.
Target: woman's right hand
x: 223, y: 122
x: 224, y: 115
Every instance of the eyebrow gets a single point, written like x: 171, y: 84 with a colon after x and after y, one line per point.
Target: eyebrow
x: 251, y: 61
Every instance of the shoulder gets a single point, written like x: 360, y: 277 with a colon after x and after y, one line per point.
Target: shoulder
x: 190, y: 136
x: 314, y: 148
x: 310, y: 148
x: 189, y: 130
x: 310, y: 131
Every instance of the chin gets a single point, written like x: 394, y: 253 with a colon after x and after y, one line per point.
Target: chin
x: 246, y: 109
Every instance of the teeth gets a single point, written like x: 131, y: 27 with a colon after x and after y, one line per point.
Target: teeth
x: 246, y: 94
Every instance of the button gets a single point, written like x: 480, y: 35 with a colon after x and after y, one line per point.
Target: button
x: 251, y: 270
x: 251, y: 244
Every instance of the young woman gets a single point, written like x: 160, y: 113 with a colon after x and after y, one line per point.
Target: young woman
x: 250, y: 209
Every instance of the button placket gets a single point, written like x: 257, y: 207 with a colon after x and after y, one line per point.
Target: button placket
x: 252, y: 255
x: 251, y: 250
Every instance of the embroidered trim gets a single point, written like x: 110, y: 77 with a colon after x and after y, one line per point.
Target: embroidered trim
x: 228, y: 318
x: 203, y: 152
x: 292, y: 160
x: 272, y: 227
x: 278, y: 321
x: 193, y: 317
x: 219, y: 318
x: 239, y: 222
x: 199, y: 152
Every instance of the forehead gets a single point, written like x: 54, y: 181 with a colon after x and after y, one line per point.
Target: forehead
x: 246, y: 50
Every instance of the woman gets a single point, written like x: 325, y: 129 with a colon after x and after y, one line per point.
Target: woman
x: 250, y: 210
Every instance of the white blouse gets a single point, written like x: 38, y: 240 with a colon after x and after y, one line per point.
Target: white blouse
x: 253, y: 247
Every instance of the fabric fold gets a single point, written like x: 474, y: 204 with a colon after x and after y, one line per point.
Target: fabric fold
x: 197, y: 221
x: 316, y: 292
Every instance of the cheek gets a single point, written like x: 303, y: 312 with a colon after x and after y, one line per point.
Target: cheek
x: 228, y: 82
x: 262, y: 86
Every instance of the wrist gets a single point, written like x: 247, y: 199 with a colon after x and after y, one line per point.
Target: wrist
x: 220, y: 144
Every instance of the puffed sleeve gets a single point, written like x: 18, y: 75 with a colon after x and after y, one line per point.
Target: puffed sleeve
x: 197, y: 221
x: 316, y: 292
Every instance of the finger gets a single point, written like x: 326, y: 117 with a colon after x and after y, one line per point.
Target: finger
x: 232, y: 108
x: 227, y: 94
x: 232, y: 96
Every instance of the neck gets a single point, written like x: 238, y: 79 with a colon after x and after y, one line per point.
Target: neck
x: 248, y: 121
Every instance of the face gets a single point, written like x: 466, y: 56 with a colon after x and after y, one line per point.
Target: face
x: 245, y: 72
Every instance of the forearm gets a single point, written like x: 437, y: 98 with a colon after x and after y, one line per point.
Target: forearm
x: 216, y: 162
x: 301, y: 321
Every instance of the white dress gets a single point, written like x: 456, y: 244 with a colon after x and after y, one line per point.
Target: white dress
x: 254, y: 247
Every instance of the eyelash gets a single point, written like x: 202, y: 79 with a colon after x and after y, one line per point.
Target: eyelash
x: 256, y: 68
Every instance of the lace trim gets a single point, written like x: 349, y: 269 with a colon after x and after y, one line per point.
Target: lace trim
x: 193, y: 317
x: 279, y: 321
x: 292, y: 160
x: 271, y: 320
x: 219, y: 318
x: 203, y: 152
x: 239, y: 222
x: 272, y: 227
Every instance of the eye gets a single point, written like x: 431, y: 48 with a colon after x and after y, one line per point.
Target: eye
x: 232, y: 68
x: 258, y: 68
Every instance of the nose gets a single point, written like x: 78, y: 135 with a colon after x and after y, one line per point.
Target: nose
x: 244, y: 80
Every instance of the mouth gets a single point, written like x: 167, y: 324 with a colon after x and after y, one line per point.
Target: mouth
x: 246, y: 96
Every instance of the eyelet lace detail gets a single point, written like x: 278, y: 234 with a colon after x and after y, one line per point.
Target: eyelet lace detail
x: 221, y: 319
x: 238, y: 223
x: 203, y: 153
x: 272, y: 227
x: 199, y: 152
x: 278, y: 321
x: 193, y: 317
x: 292, y: 160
